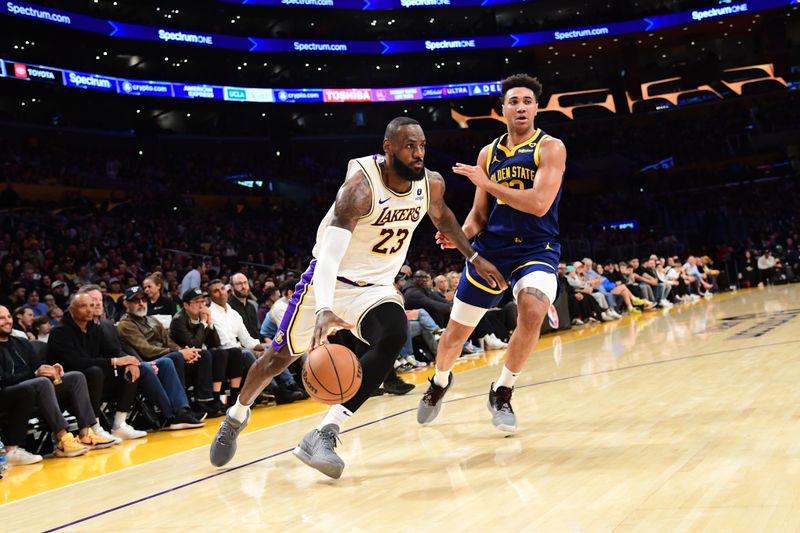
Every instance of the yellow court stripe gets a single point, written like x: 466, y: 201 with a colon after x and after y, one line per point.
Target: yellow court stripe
x: 481, y: 285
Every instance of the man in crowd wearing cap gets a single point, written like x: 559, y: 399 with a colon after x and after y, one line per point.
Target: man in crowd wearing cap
x: 60, y: 294
x: 151, y: 341
x: 193, y: 326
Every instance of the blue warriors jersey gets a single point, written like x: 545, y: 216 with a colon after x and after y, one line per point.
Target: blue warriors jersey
x: 516, y: 168
x: 516, y: 243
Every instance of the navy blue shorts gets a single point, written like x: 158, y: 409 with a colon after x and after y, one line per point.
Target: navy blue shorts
x: 514, y: 258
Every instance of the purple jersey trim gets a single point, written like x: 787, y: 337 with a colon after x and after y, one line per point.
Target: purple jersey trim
x: 282, y: 335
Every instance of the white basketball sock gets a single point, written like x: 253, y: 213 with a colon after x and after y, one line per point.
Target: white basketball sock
x: 441, y: 377
x: 239, y: 411
x: 507, y: 378
x: 119, y: 419
x: 337, y: 414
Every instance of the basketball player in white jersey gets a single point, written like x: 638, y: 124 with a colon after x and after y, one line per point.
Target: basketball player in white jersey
x: 361, y: 244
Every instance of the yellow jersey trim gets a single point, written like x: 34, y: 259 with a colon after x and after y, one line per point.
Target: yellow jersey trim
x: 371, y: 187
x: 529, y: 263
x: 536, y: 151
x: 513, y: 150
x: 481, y: 285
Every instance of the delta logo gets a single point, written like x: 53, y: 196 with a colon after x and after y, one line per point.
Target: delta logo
x: 347, y: 95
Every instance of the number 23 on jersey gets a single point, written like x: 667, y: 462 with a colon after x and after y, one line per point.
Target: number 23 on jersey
x: 391, y: 241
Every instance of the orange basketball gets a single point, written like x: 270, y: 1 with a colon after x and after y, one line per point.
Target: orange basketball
x: 331, y: 374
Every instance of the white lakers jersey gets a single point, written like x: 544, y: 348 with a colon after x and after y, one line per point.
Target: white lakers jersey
x: 381, y: 238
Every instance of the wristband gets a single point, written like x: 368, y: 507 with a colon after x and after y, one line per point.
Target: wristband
x: 474, y: 256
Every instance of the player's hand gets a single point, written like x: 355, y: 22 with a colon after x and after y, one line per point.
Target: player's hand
x: 489, y: 272
x: 443, y: 241
x: 476, y: 174
x: 327, y: 324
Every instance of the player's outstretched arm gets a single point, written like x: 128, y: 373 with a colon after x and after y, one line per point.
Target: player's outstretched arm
x: 536, y: 201
x: 353, y: 201
x: 446, y: 222
x: 479, y: 214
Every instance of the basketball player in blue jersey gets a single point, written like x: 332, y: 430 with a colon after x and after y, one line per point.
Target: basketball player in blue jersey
x: 361, y: 244
x: 514, y: 223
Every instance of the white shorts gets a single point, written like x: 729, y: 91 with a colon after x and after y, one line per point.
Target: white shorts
x: 350, y: 303
x: 469, y: 315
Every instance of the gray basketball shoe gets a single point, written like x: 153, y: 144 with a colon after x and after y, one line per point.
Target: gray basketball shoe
x: 317, y: 451
x: 499, y: 405
x: 223, y: 447
x: 430, y: 405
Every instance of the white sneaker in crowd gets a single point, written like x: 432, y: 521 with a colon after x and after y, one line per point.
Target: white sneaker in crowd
x: 126, y: 432
x: 106, y: 435
x: 666, y: 304
x: 20, y: 456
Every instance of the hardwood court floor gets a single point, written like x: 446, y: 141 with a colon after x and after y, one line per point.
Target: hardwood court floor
x: 684, y: 421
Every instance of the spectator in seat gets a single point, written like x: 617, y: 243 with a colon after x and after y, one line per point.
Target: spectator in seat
x: 617, y: 289
x: 696, y: 278
x: 420, y: 295
x: 193, y: 326
x: 55, y: 314
x: 234, y: 334
x: 38, y: 308
x: 595, y: 281
x: 25, y: 384
x: 241, y: 302
x: 648, y: 284
x: 23, y: 322
x: 159, y: 379
x: 578, y: 282
x: 59, y: 289
x: 583, y: 306
x: 78, y: 345
x: 157, y: 303
x: 151, y: 341
x: 194, y: 278
x: 442, y: 288
x: 748, y: 270
x: 41, y: 328
x: 16, y: 297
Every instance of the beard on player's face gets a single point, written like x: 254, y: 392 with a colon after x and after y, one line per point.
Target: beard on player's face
x: 405, y: 171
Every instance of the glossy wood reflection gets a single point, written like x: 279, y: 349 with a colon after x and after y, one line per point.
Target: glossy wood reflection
x: 678, y: 421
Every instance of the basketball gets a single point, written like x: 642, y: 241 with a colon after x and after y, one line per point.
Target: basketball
x: 331, y: 374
